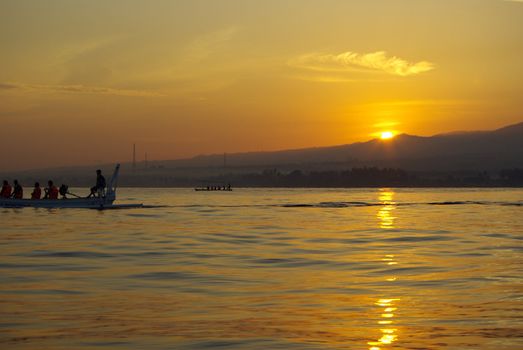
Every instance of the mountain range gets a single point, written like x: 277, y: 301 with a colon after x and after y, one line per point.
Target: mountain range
x: 456, y: 151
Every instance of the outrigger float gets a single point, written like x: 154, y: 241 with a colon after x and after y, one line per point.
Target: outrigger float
x: 104, y: 201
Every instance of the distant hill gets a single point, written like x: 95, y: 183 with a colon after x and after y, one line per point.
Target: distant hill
x: 482, y: 150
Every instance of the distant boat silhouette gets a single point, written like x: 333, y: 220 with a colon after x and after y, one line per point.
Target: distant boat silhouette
x: 214, y: 188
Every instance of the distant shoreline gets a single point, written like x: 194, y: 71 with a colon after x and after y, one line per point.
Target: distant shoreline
x: 330, y: 187
x: 365, y: 177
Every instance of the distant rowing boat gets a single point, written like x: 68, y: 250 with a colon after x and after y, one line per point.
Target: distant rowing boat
x: 227, y: 189
x: 102, y: 202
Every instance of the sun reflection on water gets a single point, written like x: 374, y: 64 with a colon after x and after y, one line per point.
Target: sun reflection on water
x: 385, y: 214
x: 388, y: 306
x: 387, y: 330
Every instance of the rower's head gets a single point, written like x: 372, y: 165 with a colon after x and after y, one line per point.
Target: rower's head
x: 98, y: 172
x: 15, y: 182
x: 37, y: 184
x: 5, y: 182
x: 50, y: 183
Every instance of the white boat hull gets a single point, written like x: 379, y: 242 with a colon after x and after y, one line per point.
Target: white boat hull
x: 94, y: 203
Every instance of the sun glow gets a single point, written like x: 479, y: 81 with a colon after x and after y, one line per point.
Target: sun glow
x: 386, y: 135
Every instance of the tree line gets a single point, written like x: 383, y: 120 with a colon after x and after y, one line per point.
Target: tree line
x: 374, y: 177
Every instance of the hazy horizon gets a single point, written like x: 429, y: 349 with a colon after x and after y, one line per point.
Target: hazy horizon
x: 159, y: 161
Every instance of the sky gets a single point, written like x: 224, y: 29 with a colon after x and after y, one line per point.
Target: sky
x: 82, y: 81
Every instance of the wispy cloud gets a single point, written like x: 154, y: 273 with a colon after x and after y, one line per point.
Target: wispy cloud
x: 349, y: 61
x: 324, y: 78
x: 426, y: 102
x: 77, y: 89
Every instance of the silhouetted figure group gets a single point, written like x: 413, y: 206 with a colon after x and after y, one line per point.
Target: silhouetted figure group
x: 219, y: 188
x: 51, y: 191
x: 17, y: 191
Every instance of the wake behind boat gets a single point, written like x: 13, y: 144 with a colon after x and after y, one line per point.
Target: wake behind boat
x: 103, y: 201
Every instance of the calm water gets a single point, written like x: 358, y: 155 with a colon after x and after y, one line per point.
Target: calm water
x: 267, y: 269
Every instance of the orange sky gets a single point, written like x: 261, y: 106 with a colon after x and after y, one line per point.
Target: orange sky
x: 81, y: 81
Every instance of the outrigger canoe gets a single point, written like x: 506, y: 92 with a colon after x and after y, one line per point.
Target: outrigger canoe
x: 103, y: 202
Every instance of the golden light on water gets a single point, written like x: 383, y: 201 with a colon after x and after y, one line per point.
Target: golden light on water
x: 385, y: 214
x: 388, y: 333
x: 323, y: 278
x: 385, y: 302
x: 388, y: 338
x: 389, y: 259
x: 387, y: 306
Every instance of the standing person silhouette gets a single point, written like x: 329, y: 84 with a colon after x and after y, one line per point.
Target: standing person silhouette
x: 100, y: 185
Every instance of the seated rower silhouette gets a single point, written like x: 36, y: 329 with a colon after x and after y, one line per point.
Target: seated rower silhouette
x: 37, y: 191
x: 98, y: 190
x: 6, y: 190
x: 18, y: 191
x: 51, y: 192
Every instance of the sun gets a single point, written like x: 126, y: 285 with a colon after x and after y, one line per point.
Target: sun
x: 386, y: 135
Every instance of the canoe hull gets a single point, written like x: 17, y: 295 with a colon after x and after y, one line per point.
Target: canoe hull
x: 94, y: 203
